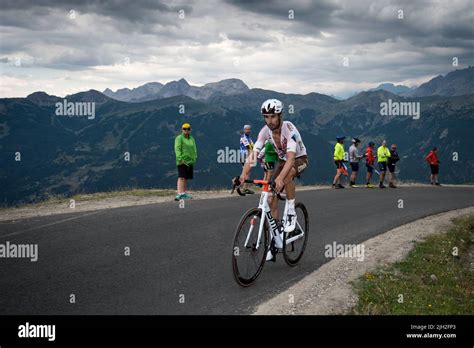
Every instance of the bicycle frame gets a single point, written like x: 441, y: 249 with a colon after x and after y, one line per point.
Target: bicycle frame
x: 275, y: 229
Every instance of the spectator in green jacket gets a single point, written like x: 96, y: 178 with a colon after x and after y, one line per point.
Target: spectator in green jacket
x: 186, y: 155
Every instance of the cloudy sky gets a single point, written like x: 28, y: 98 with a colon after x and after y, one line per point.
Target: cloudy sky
x: 331, y: 47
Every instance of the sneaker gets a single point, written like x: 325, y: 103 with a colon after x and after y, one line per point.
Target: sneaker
x: 354, y: 186
x: 186, y: 196
x: 369, y: 186
x: 290, y: 224
x: 248, y: 192
x: 334, y: 186
x: 340, y: 186
x: 392, y: 185
x: 178, y: 197
x: 382, y: 186
x: 438, y: 184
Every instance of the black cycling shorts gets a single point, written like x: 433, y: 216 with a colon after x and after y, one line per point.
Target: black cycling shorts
x: 185, y: 171
x: 268, y: 166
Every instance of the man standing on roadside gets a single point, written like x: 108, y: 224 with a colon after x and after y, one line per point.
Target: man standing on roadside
x: 394, y: 158
x: 246, y: 147
x: 369, y: 163
x: 433, y: 161
x: 338, y: 161
x: 383, y: 153
x: 186, y: 155
x: 354, y: 159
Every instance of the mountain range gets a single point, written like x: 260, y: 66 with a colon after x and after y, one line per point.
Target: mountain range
x: 156, y: 90
x: 44, y: 154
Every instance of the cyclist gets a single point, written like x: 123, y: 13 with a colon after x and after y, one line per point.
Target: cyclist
x: 369, y: 163
x: 246, y: 146
x: 292, y: 158
x: 354, y: 159
x: 383, y: 153
x: 338, y: 161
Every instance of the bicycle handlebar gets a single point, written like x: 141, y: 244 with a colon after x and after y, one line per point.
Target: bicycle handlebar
x: 271, y: 183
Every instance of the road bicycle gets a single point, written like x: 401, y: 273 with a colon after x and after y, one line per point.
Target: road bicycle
x: 258, y: 232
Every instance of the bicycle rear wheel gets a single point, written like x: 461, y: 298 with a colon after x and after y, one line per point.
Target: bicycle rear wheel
x: 247, y: 258
x: 294, y: 243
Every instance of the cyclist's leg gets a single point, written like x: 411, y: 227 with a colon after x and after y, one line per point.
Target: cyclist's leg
x: 273, y: 200
x: 299, y: 166
x: 301, y: 163
x: 290, y: 184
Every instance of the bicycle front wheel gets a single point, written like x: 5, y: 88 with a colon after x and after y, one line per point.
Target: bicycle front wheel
x: 294, y: 243
x: 248, y: 250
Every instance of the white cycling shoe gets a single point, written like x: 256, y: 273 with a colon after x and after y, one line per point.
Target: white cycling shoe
x: 278, y: 245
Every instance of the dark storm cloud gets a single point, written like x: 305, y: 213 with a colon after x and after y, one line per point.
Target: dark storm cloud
x: 424, y: 22
x: 140, y: 12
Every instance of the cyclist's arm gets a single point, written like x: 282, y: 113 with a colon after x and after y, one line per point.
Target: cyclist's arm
x: 248, y: 166
x: 290, y: 162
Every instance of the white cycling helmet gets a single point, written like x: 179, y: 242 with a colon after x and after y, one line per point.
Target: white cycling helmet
x: 272, y: 106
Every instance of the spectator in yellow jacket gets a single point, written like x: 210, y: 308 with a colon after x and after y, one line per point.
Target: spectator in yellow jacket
x: 383, y: 154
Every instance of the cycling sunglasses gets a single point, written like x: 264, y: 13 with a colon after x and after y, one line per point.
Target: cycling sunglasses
x: 186, y: 129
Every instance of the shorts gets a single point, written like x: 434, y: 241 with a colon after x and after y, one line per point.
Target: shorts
x: 434, y: 169
x: 354, y: 166
x: 185, y: 171
x: 268, y: 166
x: 338, y: 164
x: 370, y: 169
x: 383, y: 166
x: 300, y: 165
x: 391, y: 168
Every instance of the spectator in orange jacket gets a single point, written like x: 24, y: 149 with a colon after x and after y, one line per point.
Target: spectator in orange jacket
x: 433, y: 161
x: 370, y: 160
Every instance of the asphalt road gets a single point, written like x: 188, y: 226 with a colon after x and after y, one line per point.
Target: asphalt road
x: 185, y: 254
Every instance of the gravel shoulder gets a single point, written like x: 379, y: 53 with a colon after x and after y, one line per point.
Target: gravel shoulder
x: 86, y: 204
x: 327, y: 291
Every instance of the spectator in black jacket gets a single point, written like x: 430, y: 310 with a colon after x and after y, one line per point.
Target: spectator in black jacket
x: 394, y: 158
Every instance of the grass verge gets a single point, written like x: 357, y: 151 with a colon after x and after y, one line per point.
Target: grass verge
x: 436, y: 277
